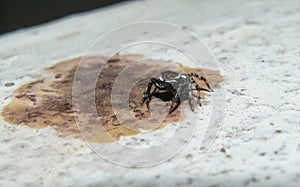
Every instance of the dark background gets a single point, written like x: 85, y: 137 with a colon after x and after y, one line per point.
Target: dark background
x: 16, y: 14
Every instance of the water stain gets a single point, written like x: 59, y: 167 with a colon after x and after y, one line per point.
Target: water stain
x: 47, y: 101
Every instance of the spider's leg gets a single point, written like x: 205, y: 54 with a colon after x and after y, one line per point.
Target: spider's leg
x: 147, y: 96
x: 147, y: 103
x: 160, y: 84
x: 191, y: 75
x: 198, y: 88
x: 175, y: 103
x: 198, y: 93
x: 191, y: 96
x: 176, y: 98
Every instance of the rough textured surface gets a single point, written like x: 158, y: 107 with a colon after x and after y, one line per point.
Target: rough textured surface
x: 47, y: 101
x: 257, y: 45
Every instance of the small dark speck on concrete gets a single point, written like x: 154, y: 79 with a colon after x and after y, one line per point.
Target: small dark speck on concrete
x: 184, y: 27
x: 189, y: 156
x: 223, y: 150
x: 278, y: 131
x: 9, y: 84
x: 251, y: 180
x: 214, y: 185
x: 190, y: 180
x: 228, y: 156
x: 262, y: 154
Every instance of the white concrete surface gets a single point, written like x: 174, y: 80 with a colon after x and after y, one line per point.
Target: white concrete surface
x: 257, y: 44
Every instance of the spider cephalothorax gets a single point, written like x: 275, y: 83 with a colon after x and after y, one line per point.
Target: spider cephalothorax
x: 178, y: 86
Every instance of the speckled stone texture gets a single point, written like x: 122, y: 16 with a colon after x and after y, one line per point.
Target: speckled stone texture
x: 257, y: 45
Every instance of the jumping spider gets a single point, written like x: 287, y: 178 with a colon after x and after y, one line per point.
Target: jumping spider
x: 176, y: 86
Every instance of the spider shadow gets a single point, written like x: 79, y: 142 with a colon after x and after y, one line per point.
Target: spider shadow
x: 167, y: 96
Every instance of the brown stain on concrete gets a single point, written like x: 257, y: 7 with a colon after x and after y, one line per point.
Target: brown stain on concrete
x: 47, y: 101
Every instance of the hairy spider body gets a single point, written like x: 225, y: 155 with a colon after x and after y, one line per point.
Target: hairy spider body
x: 178, y: 86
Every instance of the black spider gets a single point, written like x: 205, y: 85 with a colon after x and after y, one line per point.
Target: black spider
x: 175, y: 87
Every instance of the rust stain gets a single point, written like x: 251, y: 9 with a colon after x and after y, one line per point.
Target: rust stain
x: 47, y: 101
